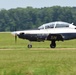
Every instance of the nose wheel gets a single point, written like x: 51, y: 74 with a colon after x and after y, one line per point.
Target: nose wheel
x: 53, y: 44
x: 29, y: 45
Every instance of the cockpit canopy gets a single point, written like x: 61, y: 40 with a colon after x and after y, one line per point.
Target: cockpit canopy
x: 57, y: 24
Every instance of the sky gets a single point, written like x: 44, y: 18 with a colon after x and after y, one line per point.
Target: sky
x: 8, y: 4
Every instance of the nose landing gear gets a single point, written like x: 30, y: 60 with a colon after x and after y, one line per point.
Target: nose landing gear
x: 29, y: 45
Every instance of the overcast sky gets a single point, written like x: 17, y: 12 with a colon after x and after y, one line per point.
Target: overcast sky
x: 8, y: 4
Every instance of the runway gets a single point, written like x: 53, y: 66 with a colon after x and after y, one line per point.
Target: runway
x: 38, y: 48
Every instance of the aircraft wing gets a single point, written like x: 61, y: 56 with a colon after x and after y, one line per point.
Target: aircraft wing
x: 55, y: 37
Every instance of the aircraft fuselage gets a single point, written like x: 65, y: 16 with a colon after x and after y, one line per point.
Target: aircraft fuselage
x: 41, y: 35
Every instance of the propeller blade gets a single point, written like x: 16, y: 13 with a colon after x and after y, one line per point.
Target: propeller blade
x: 15, y: 38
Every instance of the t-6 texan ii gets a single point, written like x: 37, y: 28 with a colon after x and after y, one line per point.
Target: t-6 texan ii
x: 53, y: 31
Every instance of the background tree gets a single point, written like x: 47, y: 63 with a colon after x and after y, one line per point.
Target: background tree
x: 28, y: 18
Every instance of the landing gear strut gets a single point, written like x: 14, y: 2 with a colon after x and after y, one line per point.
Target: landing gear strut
x: 53, y: 44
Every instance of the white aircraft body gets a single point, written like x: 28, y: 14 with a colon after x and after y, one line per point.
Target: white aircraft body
x: 53, y: 31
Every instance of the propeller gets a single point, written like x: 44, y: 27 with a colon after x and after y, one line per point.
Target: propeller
x: 15, y: 38
x: 15, y: 34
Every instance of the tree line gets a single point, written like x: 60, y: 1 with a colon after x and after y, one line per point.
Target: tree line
x: 28, y: 18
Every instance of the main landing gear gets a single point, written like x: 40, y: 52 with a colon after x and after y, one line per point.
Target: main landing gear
x: 53, y: 44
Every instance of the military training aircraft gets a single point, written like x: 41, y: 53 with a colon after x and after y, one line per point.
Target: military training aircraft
x: 53, y: 31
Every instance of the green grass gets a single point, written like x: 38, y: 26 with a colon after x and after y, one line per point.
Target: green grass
x: 17, y: 59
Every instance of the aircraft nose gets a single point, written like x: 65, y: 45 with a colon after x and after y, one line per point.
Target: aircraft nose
x: 15, y: 36
x: 14, y: 33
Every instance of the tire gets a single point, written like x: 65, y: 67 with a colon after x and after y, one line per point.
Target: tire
x: 29, y: 46
x: 52, y: 46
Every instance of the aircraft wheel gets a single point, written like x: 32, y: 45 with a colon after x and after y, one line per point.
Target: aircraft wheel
x: 29, y: 46
x: 53, y: 44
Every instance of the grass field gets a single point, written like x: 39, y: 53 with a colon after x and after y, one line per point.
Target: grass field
x: 17, y: 59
